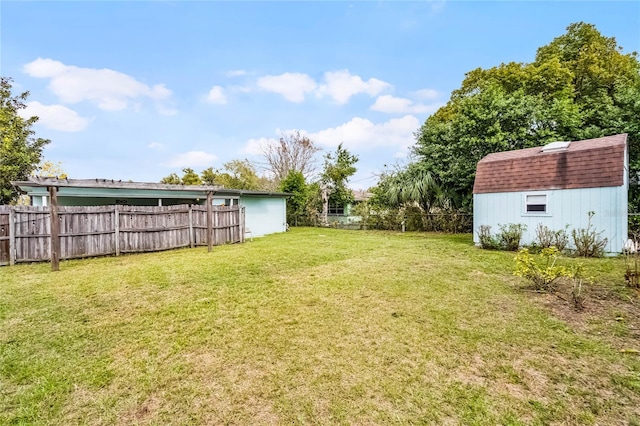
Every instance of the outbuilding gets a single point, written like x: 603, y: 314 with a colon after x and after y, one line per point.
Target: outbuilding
x: 265, y: 212
x: 556, y: 185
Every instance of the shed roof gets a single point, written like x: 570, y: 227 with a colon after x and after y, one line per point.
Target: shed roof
x: 590, y: 163
x: 96, y: 185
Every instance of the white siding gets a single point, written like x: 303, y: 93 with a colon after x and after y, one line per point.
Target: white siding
x: 265, y: 215
x: 565, y: 207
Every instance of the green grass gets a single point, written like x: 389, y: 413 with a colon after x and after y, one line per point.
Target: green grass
x: 313, y: 326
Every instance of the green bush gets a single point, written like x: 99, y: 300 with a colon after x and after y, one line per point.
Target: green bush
x: 543, y: 273
x: 547, y: 238
x: 588, y: 241
x: 510, y: 236
x: 488, y: 241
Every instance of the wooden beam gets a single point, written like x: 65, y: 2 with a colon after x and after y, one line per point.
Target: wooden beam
x: 55, y: 228
x: 210, y: 220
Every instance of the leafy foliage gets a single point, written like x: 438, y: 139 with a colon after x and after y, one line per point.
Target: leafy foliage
x: 543, y: 273
x: 295, y: 184
x: 507, y: 239
x: 50, y: 169
x: 237, y: 174
x: 189, y: 177
x: 487, y: 240
x: 580, y: 86
x: 20, y: 151
x: 338, y: 168
x: 588, y: 242
x: 548, y: 238
x: 510, y: 235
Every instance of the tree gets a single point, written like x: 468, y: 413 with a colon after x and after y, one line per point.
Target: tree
x: 189, y: 177
x: 50, y: 169
x: 580, y: 86
x: 292, y: 152
x: 295, y: 184
x: 20, y: 150
x: 236, y: 174
x: 172, y: 179
x: 338, y: 168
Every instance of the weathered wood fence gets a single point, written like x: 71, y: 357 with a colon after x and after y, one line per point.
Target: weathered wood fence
x: 26, y: 232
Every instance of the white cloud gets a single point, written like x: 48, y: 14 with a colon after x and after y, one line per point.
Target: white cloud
x: 110, y: 90
x: 254, y: 145
x: 56, y: 117
x: 156, y: 145
x: 391, y: 104
x: 216, y: 95
x: 427, y: 94
x: 342, y: 85
x: 235, y: 73
x: 191, y: 159
x: 361, y: 134
x: 292, y: 86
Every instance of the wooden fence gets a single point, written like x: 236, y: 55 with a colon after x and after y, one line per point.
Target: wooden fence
x: 26, y: 232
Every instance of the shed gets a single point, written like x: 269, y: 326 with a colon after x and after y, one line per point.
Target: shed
x: 265, y: 212
x: 556, y: 185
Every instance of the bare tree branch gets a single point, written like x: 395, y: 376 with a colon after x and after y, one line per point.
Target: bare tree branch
x: 292, y: 152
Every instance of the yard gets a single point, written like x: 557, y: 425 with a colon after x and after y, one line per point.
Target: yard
x: 314, y: 326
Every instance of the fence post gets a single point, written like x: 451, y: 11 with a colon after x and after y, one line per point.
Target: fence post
x: 55, y: 229
x: 12, y: 236
x: 210, y: 220
x: 116, y: 228
x: 191, y: 226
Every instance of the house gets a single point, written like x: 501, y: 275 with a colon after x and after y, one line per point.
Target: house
x: 556, y: 185
x: 265, y: 212
x: 345, y: 214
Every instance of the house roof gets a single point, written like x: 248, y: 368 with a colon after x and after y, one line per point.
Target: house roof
x: 588, y: 163
x: 96, y: 186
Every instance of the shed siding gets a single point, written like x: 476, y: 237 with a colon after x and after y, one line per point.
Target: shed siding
x: 565, y: 207
x: 265, y: 215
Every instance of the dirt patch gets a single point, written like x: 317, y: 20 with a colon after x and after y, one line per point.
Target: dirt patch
x: 611, y: 315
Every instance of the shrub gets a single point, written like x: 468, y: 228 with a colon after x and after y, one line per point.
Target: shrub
x: 542, y: 273
x: 510, y: 236
x: 487, y: 241
x: 588, y: 242
x: 547, y: 237
x: 576, y: 274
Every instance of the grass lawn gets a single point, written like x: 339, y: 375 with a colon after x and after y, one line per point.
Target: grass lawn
x: 315, y: 326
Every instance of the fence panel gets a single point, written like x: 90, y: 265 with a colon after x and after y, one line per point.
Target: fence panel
x: 32, y: 230
x: 153, y: 228
x: 86, y: 232
x: 107, y: 230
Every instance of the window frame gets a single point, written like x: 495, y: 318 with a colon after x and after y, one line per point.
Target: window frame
x: 526, y: 203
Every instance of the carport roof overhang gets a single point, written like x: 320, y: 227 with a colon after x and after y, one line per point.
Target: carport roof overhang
x: 110, y: 188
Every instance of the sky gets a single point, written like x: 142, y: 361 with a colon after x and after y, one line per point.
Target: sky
x: 136, y: 90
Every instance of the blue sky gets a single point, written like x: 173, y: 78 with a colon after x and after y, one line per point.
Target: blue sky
x: 137, y: 90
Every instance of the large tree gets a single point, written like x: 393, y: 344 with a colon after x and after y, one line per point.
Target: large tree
x: 292, y: 152
x: 581, y: 85
x: 338, y: 168
x: 20, y: 150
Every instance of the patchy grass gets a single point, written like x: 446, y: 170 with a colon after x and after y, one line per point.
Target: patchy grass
x: 312, y: 326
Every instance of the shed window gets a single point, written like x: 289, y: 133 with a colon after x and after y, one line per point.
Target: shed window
x: 536, y: 204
